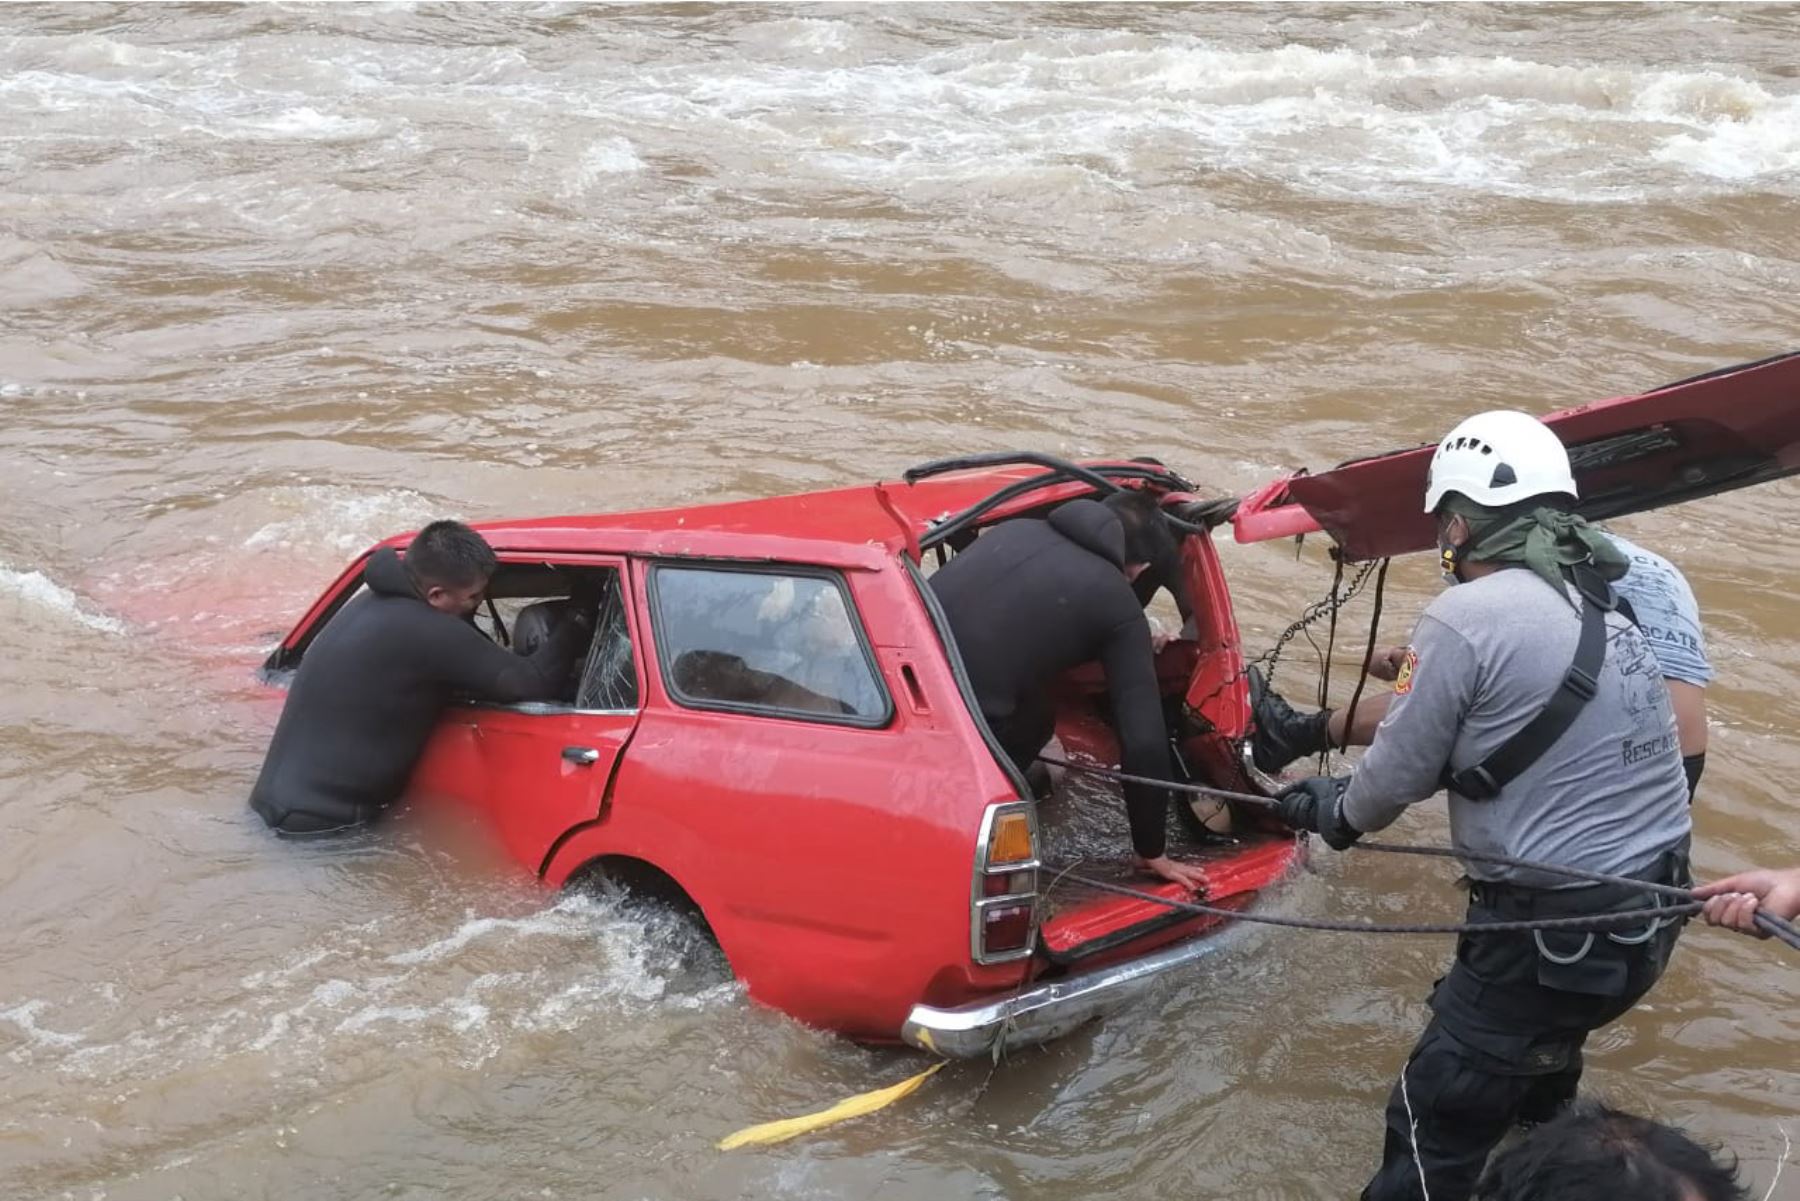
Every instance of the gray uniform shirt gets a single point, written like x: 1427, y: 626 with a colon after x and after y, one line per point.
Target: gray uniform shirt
x: 1666, y: 612
x: 1609, y: 795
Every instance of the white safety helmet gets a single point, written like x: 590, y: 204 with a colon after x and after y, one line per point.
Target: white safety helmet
x: 1498, y: 458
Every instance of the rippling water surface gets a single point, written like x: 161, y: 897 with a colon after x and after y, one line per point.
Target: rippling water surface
x: 276, y: 281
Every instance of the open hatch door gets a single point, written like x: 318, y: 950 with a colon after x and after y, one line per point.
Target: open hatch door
x: 1727, y: 429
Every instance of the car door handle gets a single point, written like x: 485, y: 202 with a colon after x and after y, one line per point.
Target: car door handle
x: 581, y: 756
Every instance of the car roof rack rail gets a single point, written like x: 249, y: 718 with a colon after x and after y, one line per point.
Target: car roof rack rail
x: 1102, y: 477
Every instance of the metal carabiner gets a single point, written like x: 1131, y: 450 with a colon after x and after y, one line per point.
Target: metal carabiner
x: 1587, y: 944
x: 1650, y: 931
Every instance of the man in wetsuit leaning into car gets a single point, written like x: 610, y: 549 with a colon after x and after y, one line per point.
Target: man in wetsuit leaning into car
x: 1030, y: 599
x: 371, y: 685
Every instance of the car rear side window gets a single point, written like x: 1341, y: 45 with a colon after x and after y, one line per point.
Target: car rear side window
x: 786, y: 643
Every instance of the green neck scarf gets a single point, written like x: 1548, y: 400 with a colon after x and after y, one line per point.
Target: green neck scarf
x: 1543, y: 539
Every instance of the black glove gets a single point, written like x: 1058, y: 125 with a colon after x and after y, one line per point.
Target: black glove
x: 1317, y: 804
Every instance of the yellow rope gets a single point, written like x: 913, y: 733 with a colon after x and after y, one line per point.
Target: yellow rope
x: 854, y: 1107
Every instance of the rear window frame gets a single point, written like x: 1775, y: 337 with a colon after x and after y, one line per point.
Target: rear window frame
x: 664, y: 662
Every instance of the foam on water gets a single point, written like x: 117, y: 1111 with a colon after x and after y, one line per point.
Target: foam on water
x: 24, y: 1017
x: 604, y: 159
x: 1336, y: 119
x: 1765, y: 143
x: 39, y: 592
x: 806, y: 35
x: 810, y: 99
x: 577, y: 961
x: 341, y: 519
x: 560, y: 920
x: 307, y: 123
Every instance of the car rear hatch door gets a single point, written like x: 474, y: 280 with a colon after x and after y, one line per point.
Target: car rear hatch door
x: 1712, y: 433
x: 1087, y: 926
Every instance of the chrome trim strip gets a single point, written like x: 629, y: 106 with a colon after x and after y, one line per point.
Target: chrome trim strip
x: 547, y: 709
x: 1007, y: 899
x: 1046, y: 1012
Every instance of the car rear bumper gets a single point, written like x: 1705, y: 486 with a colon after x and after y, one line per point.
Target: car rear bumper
x: 1046, y: 1011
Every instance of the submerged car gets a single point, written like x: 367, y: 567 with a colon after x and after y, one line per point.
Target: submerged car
x: 772, y: 723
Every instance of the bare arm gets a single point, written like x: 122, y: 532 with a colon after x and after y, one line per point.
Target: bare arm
x: 1369, y: 712
x: 1689, y: 701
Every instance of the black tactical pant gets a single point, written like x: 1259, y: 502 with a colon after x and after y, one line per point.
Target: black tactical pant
x: 1504, y: 1042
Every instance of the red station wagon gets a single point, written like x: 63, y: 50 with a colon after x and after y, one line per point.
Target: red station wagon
x: 772, y: 724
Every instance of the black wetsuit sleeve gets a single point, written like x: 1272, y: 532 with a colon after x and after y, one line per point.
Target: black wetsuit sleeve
x: 1138, y: 719
x: 1158, y: 576
x: 1692, y: 766
x: 470, y: 664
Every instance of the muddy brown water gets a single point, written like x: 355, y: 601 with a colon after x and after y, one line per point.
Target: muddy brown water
x: 278, y: 281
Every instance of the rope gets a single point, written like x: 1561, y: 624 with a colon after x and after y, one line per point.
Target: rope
x: 1362, y: 677
x: 1337, y: 579
x: 1337, y: 582
x: 1781, y: 929
x: 1579, y: 922
x: 1412, y: 1131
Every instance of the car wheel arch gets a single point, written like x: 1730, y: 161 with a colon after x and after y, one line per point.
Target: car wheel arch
x: 643, y: 877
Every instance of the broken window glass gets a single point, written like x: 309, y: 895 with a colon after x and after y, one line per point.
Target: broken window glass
x: 609, y: 678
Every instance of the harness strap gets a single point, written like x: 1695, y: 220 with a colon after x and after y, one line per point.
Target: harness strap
x: 1484, y: 780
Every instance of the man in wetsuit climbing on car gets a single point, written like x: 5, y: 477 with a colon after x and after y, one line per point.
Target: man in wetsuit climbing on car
x: 372, y: 684
x: 1030, y: 599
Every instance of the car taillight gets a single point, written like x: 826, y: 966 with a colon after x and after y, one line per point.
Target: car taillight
x: 1009, y: 884
x: 1006, y: 928
x: 1003, y: 901
x: 1011, y: 839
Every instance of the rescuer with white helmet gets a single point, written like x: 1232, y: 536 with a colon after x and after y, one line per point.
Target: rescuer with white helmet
x: 1542, y: 710
x: 1494, y: 460
x: 1498, y: 459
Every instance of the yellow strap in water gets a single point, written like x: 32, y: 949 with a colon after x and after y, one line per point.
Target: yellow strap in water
x: 843, y: 1111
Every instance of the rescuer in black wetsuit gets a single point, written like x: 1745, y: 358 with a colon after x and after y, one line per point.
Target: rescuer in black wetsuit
x: 1030, y: 599
x: 372, y: 684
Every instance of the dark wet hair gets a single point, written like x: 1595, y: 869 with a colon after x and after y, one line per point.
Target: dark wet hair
x: 1148, y: 535
x: 1593, y: 1150
x: 449, y: 554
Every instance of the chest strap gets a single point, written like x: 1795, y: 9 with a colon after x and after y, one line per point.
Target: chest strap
x: 1484, y: 781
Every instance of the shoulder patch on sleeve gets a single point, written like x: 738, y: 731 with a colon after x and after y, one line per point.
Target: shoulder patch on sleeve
x: 1404, y: 677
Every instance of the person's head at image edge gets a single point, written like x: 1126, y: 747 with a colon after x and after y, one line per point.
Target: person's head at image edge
x: 1593, y: 1152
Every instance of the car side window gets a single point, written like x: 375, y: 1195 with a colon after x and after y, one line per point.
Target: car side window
x: 785, y: 643
x: 529, y: 603
x: 608, y: 679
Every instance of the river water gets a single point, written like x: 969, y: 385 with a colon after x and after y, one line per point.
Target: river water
x: 277, y: 281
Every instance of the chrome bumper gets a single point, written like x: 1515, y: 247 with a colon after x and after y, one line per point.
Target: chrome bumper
x: 1045, y: 1012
